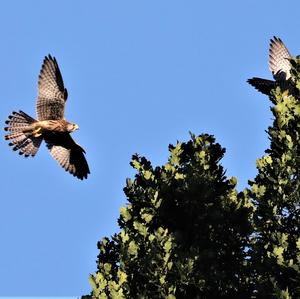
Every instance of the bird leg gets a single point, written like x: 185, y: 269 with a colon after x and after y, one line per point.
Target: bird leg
x: 37, y: 132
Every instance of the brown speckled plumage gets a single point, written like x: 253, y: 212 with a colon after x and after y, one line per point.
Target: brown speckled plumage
x: 280, y: 67
x: 25, y: 134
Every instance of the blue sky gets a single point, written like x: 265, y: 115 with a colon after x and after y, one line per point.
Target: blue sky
x: 140, y: 75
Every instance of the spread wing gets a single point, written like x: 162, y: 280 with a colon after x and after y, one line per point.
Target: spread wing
x: 279, y: 59
x: 263, y: 85
x: 68, y: 154
x: 52, y: 94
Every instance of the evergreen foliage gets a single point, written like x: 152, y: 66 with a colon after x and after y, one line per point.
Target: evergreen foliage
x: 276, y: 192
x: 186, y: 231
x: 183, y: 233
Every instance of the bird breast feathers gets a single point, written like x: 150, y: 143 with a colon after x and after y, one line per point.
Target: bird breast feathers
x: 53, y: 125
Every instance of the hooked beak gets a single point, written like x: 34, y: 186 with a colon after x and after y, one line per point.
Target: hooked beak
x: 76, y: 127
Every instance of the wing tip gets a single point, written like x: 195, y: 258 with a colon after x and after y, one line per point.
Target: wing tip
x: 275, y: 39
x: 82, y: 175
x: 49, y: 58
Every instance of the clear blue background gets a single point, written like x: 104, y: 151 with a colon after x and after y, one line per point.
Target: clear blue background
x: 140, y: 75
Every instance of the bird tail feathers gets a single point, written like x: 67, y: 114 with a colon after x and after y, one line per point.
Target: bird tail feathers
x: 20, y: 139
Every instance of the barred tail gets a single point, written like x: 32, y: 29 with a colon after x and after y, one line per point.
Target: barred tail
x: 21, y: 140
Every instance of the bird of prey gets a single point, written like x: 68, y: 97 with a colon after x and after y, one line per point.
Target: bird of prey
x: 26, y: 133
x: 279, y: 65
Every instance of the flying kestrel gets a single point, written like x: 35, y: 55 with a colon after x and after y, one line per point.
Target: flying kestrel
x: 26, y: 133
x: 280, y: 67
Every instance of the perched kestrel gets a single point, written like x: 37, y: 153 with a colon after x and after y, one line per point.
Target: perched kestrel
x: 279, y: 65
x: 26, y: 133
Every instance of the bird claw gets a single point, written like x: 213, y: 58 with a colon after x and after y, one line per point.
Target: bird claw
x: 37, y: 132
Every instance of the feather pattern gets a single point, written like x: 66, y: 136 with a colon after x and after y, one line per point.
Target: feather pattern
x: 25, y: 134
x: 52, y: 94
x: 279, y: 66
x: 25, y: 143
x: 67, y: 153
x: 279, y: 59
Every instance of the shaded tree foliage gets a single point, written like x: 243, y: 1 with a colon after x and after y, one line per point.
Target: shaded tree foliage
x: 276, y: 192
x: 186, y: 231
x: 183, y: 233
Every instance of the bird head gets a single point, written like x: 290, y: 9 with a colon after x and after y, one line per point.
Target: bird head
x: 72, y: 127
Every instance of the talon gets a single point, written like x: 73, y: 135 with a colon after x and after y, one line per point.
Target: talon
x: 37, y: 132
